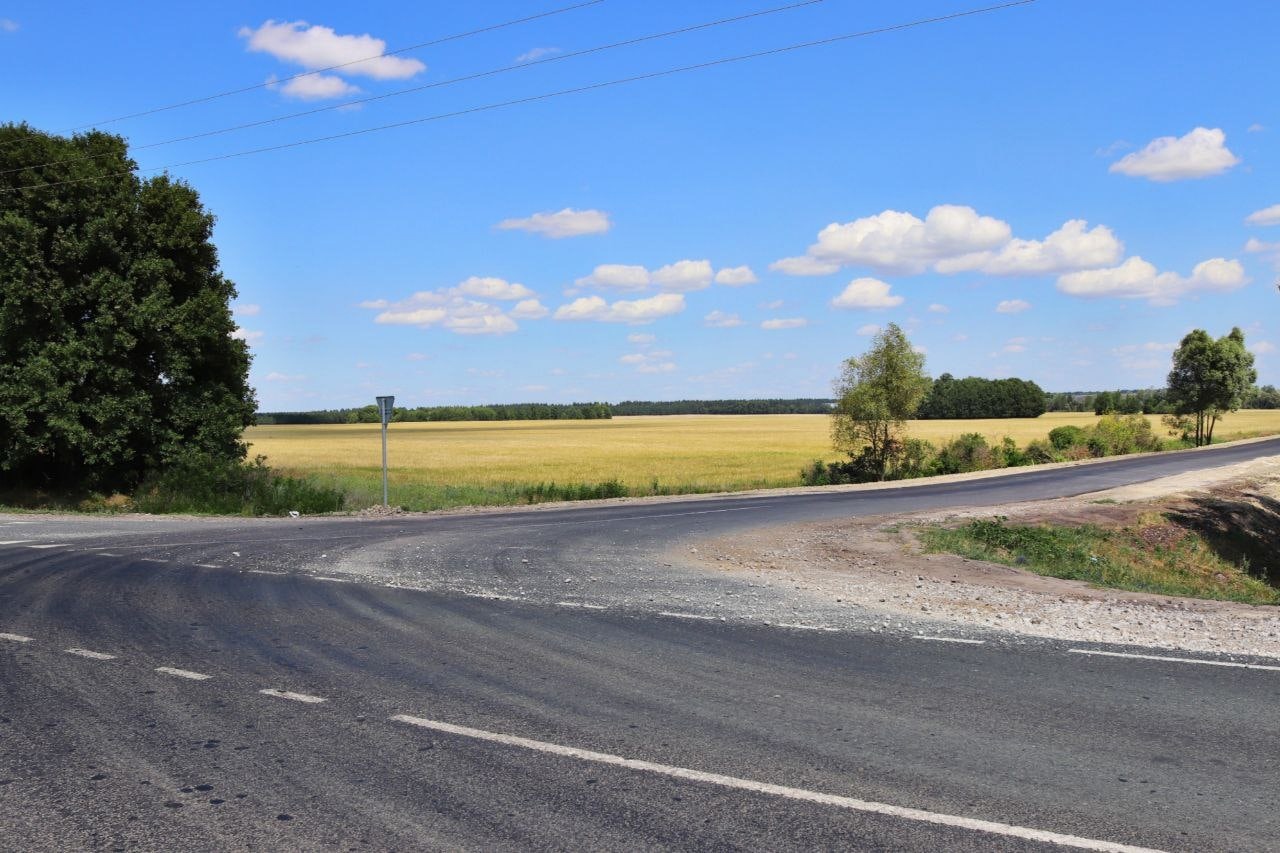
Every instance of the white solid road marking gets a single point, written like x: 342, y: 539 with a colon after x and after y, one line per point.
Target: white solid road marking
x: 151, y: 560
x: 673, y: 614
x: 104, y: 554
x: 1175, y: 660
x: 800, y: 627
x: 15, y: 638
x: 296, y: 697
x: 207, y: 566
x: 183, y: 673
x: 493, y: 596
x: 265, y: 572
x: 949, y: 639
x: 8, y: 523
x: 836, y: 800
x: 581, y: 605
x: 330, y: 580
x: 85, y: 653
x: 54, y: 545
x: 15, y: 542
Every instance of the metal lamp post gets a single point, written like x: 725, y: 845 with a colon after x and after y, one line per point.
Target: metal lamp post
x: 384, y: 414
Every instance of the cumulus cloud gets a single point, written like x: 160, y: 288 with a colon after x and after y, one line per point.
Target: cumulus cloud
x: 616, y: 277
x: 939, y: 308
x: 868, y: 330
x: 249, y: 336
x: 1012, y: 306
x: 634, y: 311
x: 315, y: 46
x: 8, y: 25
x: 1074, y: 246
x: 641, y: 338
x: 1266, y: 216
x: 655, y: 361
x: 683, y: 276
x: 561, y: 223
x: 536, y: 53
x: 721, y: 320
x: 460, y: 309
x: 316, y: 87
x: 1271, y: 251
x: 1199, y: 154
x: 899, y: 242
x: 736, y: 276
x: 1256, y: 128
x: 785, y: 323
x: 867, y: 293
x: 1137, y: 278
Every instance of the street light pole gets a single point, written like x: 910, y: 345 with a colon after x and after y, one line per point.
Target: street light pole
x: 385, y: 405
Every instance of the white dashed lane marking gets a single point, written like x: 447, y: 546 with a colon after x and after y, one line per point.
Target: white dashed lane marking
x: 296, y: 697
x: 675, y: 615
x: 15, y: 542
x: 85, y: 653
x: 835, y: 800
x: 581, y: 605
x: 1175, y: 659
x: 800, y: 627
x: 207, y: 566
x: 54, y: 545
x: 183, y: 673
x: 15, y: 638
x: 151, y: 560
x: 949, y: 639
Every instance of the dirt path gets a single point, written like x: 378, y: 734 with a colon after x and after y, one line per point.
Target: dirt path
x: 876, y: 563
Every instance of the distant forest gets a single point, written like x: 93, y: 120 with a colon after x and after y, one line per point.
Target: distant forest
x: 950, y: 398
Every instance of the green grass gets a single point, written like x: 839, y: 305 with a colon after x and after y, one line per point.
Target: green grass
x: 1153, y: 556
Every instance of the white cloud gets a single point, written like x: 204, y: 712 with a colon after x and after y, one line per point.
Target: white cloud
x: 459, y: 310
x: 561, y: 223
x: 249, y: 336
x: 736, y: 276
x: 1266, y: 216
x: 536, y: 53
x: 1271, y: 251
x: 664, y: 367
x: 1256, y: 128
x: 868, y: 330
x: 616, y: 277
x: 1012, y: 347
x: 283, y: 377
x: 246, y: 310
x: 960, y: 337
x: 721, y: 320
x: 535, y: 389
x: 1263, y: 348
x: 1072, y: 247
x: 417, y: 356
x: 894, y: 241
x: 785, y: 323
x: 1199, y: 154
x: 320, y: 47
x: 658, y: 361
x: 529, y: 309
x: 493, y: 288
x: 772, y: 305
x: 1012, y: 306
x: 867, y: 293
x: 1149, y: 346
x: 683, y: 276
x: 939, y: 308
x: 316, y: 87
x: 1139, y: 279
x: 641, y: 338
x: 8, y: 25
x: 635, y: 312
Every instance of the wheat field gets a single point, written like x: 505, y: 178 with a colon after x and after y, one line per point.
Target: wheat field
x: 448, y: 464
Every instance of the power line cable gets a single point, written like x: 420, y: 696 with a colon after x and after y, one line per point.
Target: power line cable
x: 397, y: 51
x: 549, y: 95
x: 435, y: 85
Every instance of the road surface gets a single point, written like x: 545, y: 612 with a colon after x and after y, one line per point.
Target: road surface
x: 552, y: 681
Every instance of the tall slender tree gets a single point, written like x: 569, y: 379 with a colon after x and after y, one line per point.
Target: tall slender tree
x: 1209, y: 379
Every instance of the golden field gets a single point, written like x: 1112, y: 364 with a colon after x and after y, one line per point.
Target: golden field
x: 445, y: 464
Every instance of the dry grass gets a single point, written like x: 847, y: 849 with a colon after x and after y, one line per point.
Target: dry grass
x: 442, y: 464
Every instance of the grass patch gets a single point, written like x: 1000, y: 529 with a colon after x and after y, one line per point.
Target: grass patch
x: 1153, y: 555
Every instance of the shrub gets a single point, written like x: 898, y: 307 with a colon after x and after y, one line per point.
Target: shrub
x: 203, y: 484
x: 969, y: 452
x: 1067, y: 436
x: 1039, y: 452
x: 546, y: 492
x: 1116, y: 435
x: 917, y: 459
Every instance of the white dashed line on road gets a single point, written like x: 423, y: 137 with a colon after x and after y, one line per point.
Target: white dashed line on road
x: 330, y: 580
x: 675, y: 615
x: 85, y: 653
x: 835, y: 800
x: 800, y: 627
x: 104, y: 554
x: 265, y: 572
x: 54, y: 545
x: 207, y: 566
x: 15, y: 542
x: 183, y: 673
x: 295, y: 697
x: 580, y: 605
x: 15, y: 638
x: 493, y: 596
x: 1175, y: 660
x: 949, y: 639
x: 151, y: 560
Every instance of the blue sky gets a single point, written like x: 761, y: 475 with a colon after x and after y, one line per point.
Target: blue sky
x: 1057, y: 191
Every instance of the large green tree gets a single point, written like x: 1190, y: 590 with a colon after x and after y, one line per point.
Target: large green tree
x: 1209, y: 378
x: 116, y: 347
x: 876, y: 394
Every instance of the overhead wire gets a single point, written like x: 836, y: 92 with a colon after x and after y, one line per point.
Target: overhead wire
x: 433, y: 85
x: 549, y: 95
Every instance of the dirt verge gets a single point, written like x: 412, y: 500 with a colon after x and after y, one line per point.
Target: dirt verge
x: 876, y: 563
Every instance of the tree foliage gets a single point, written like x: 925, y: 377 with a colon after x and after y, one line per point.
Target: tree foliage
x: 116, y: 355
x: 974, y: 397
x: 876, y: 394
x: 1209, y: 378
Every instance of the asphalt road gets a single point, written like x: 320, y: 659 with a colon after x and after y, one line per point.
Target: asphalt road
x: 530, y: 693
